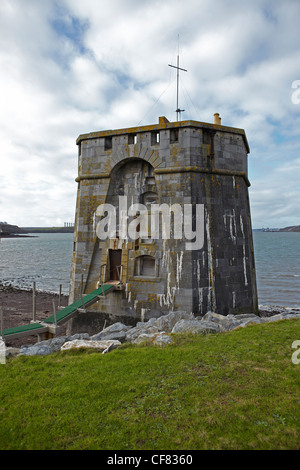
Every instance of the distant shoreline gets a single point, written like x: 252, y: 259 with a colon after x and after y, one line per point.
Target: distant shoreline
x: 47, y: 229
x: 14, y: 231
x: 293, y: 229
x: 16, y: 235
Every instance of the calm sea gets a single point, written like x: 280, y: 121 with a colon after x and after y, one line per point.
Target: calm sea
x: 47, y: 260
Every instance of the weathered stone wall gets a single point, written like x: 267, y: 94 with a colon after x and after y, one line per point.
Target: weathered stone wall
x: 193, y: 163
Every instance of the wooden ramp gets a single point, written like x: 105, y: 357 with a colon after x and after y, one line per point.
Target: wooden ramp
x: 62, y: 316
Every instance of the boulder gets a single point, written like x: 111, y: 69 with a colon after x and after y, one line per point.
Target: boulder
x: 250, y: 321
x: 11, y: 352
x: 36, y: 350
x: 49, y: 346
x: 195, y: 327
x: 245, y: 316
x: 226, y: 323
x: 144, y: 337
x: 146, y: 329
x: 272, y: 310
x: 282, y: 316
x: 117, y: 331
x: 167, y: 322
x: 98, y: 345
x: 117, y: 335
x: 162, y: 340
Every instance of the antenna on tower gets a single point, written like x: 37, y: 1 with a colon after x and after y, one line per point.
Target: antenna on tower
x: 178, y: 110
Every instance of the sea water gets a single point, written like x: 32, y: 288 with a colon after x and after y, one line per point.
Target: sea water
x: 277, y: 261
x: 47, y: 258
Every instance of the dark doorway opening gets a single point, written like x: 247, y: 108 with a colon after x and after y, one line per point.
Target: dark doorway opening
x: 115, y: 257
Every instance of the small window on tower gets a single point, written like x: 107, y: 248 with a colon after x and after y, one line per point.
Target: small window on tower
x: 145, y: 266
x: 174, y: 134
x: 107, y: 143
x: 132, y: 139
x: 154, y: 138
x: 206, y: 137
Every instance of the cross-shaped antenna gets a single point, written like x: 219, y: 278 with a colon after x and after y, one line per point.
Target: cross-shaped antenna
x: 178, y: 110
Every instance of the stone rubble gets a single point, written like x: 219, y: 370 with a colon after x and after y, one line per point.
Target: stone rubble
x: 155, y: 331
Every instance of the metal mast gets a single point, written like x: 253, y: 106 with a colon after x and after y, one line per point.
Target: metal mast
x: 178, y: 110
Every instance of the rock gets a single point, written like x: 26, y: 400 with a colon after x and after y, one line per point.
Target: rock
x: 56, y: 343
x: 12, y: 352
x: 250, y: 321
x: 272, y: 310
x: 167, y: 322
x: 156, y: 328
x: 245, y: 316
x: 49, y: 346
x: 36, y: 350
x: 195, y: 327
x: 146, y: 324
x: 281, y: 316
x: 78, y: 336
x: 117, y: 335
x: 99, y: 345
x: 146, y: 329
x: 226, y: 323
x: 162, y: 340
x: 116, y: 331
x: 144, y: 337
x: 110, y: 348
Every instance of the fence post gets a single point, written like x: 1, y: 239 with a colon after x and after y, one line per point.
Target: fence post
x: 2, y: 343
x: 34, y: 301
x: 2, y: 324
x: 81, y: 292
x: 54, y: 312
x: 60, y: 292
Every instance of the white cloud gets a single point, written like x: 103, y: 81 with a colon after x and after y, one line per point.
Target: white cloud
x: 71, y: 67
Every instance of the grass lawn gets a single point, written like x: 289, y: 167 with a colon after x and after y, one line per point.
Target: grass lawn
x: 234, y: 390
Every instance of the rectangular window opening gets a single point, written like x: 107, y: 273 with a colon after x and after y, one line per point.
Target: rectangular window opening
x: 206, y: 137
x: 107, y: 143
x: 174, y: 135
x: 145, y: 266
x: 132, y: 139
x: 154, y: 138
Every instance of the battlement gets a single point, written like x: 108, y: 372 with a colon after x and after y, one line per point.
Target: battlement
x: 164, y: 124
x: 181, y: 145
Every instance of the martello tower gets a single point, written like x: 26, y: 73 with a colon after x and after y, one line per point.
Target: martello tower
x: 185, y: 162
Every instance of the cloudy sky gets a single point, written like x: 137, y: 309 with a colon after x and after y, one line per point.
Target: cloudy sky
x: 70, y: 66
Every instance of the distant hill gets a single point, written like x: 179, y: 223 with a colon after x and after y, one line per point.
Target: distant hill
x: 11, y: 231
x: 8, y: 230
x: 48, y: 229
x: 293, y: 228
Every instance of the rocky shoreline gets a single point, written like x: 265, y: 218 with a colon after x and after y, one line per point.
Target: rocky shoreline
x: 17, y: 304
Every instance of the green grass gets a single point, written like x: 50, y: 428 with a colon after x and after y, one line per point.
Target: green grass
x: 235, y: 390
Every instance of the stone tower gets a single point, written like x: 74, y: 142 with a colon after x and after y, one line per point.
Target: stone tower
x: 186, y: 163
